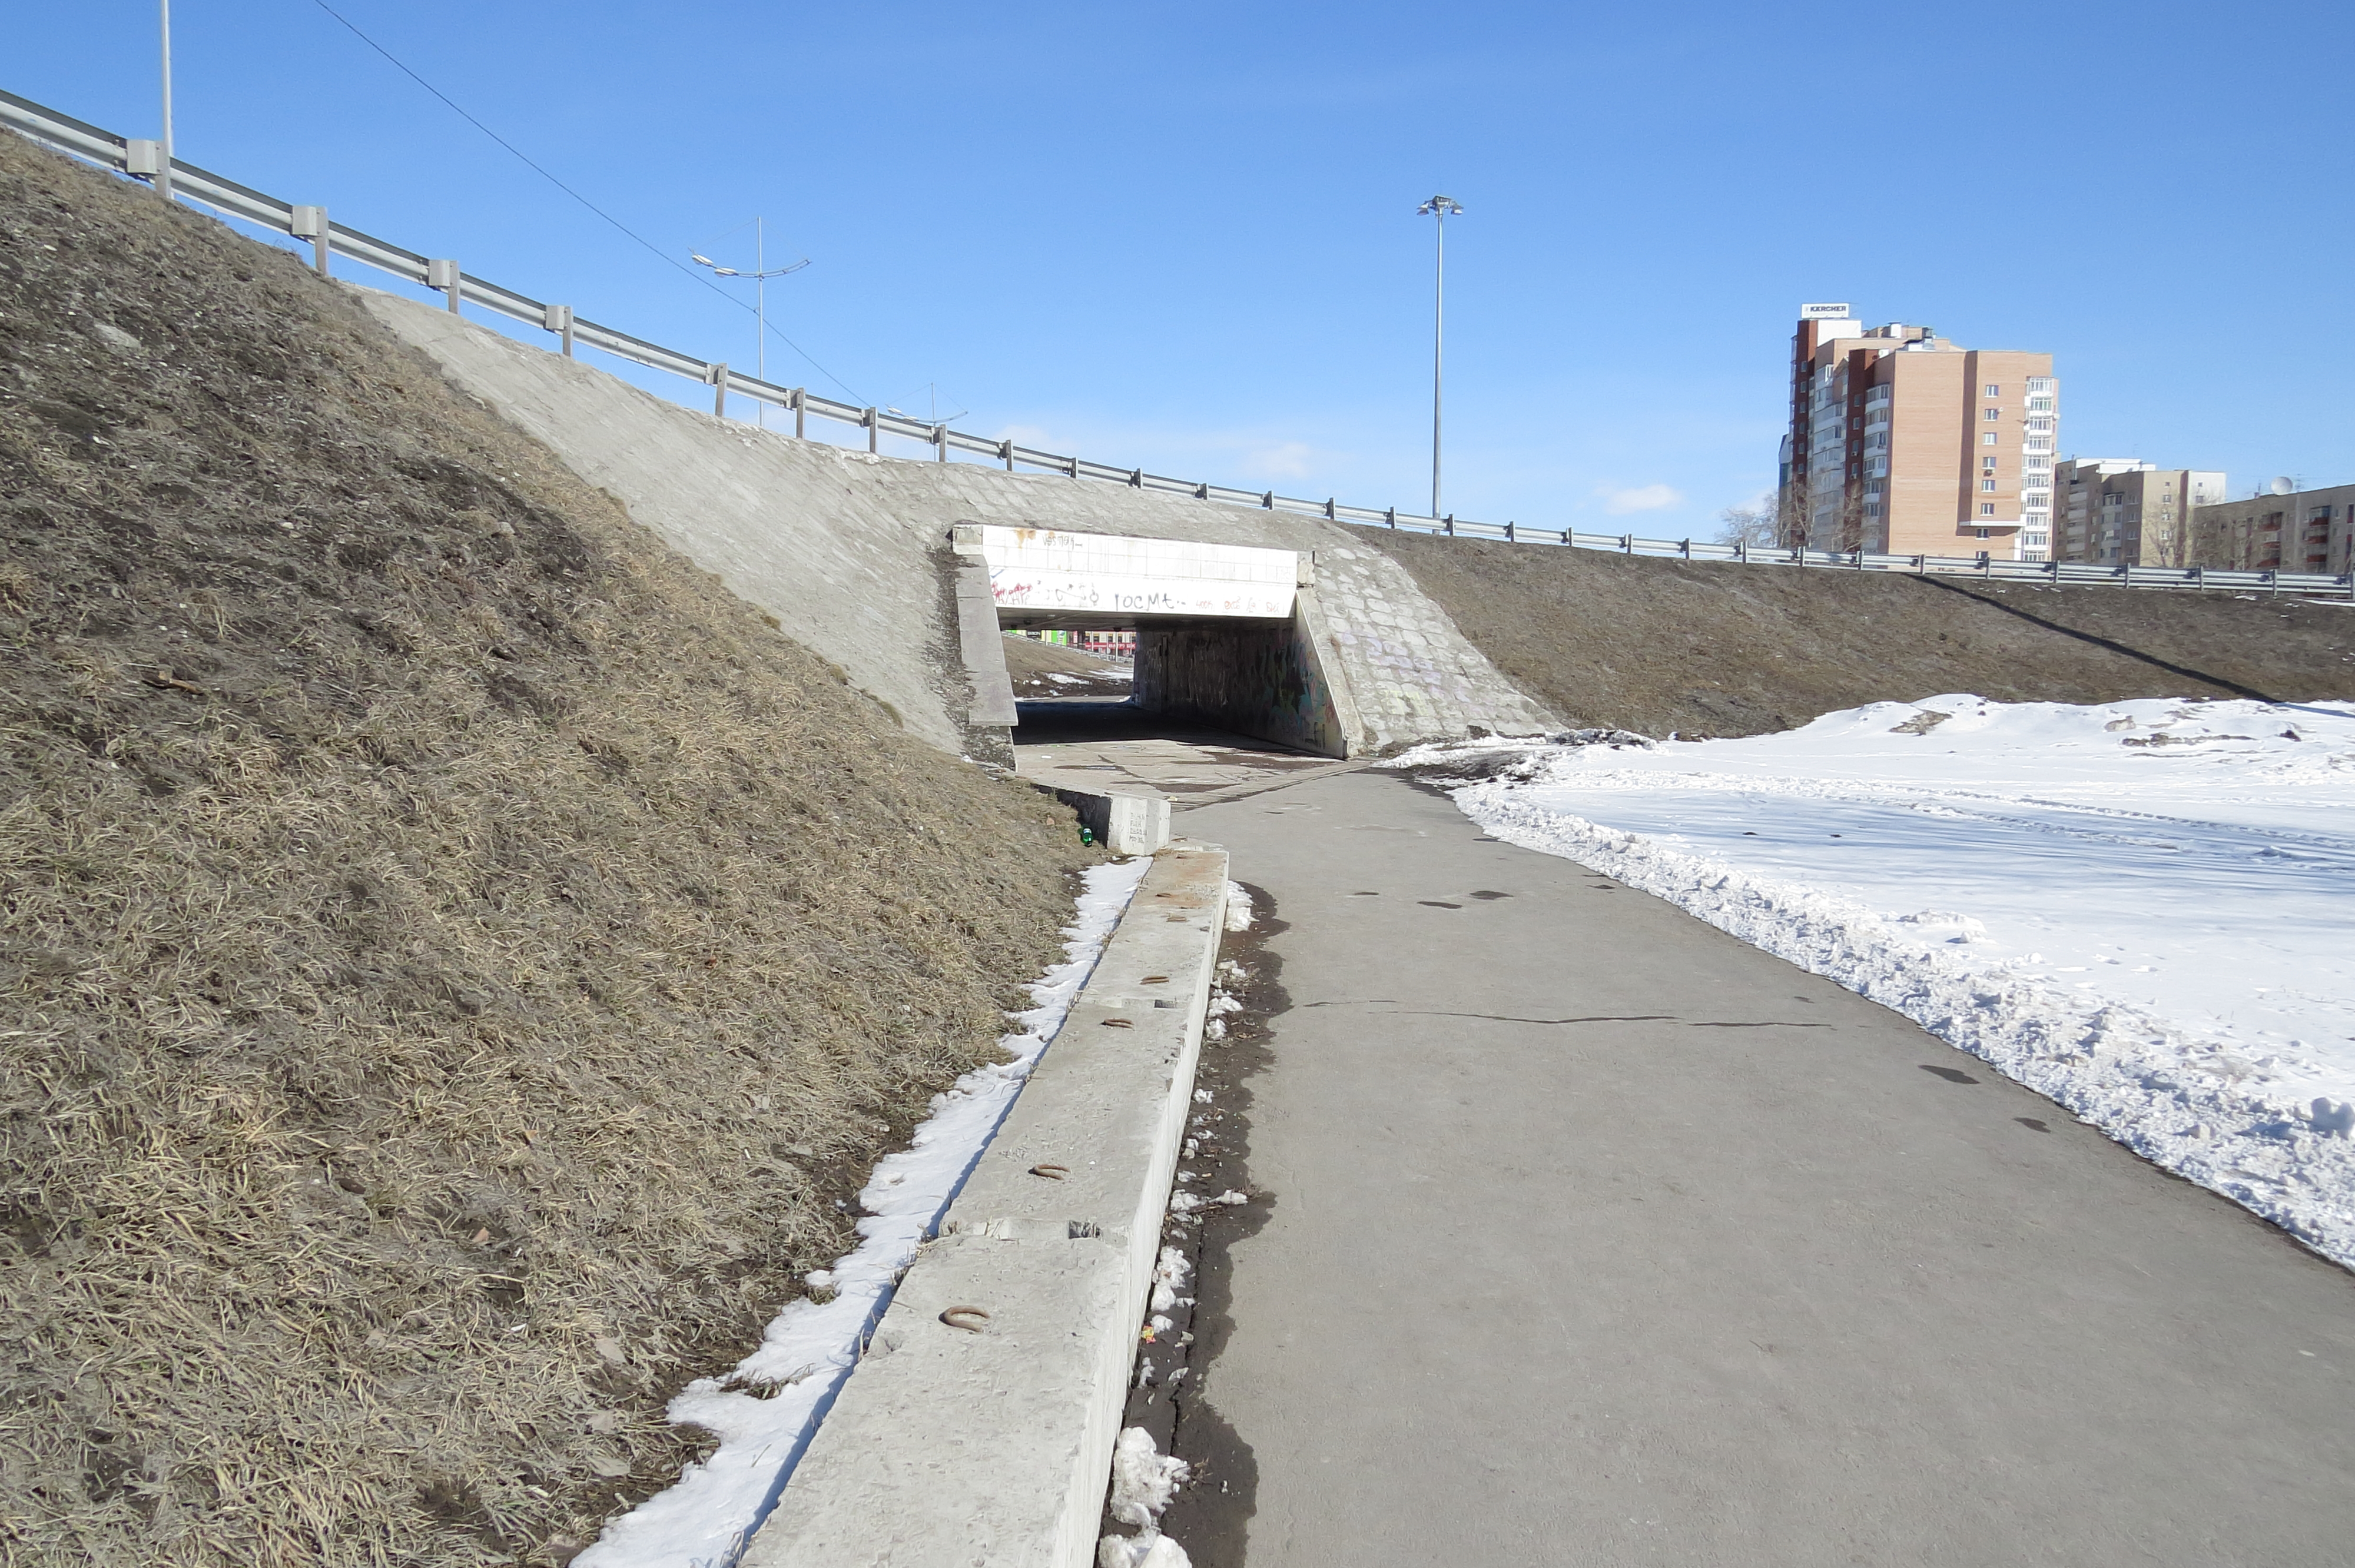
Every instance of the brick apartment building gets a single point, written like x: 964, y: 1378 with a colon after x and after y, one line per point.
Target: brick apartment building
x: 2125, y: 511
x: 2304, y: 531
x: 1902, y: 442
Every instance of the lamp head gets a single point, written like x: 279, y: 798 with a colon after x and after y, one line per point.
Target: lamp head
x: 698, y: 258
x: 1444, y: 206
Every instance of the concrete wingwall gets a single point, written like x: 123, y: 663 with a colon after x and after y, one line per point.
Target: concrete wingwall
x: 851, y: 552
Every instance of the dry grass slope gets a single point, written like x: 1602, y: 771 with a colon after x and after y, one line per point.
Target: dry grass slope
x: 1724, y: 650
x: 454, y: 955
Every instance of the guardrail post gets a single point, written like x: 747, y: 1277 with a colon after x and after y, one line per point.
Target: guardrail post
x: 1570, y: 538
x: 1267, y: 502
x: 1741, y: 551
x: 1858, y: 562
x: 1329, y: 516
x: 1626, y: 544
x: 1137, y: 478
x: 720, y: 388
x: 1390, y: 515
x: 443, y: 274
x: 310, y: 223
x: 142, y: 158
x: 1684, y: 548
x: 1509, y: 533
x: 800, y: 412
x: 874, y: 427
x: 1987, y: 564
x: 940, y: 439
x: 1448, y: 526
x: 559, y: 319
x: 1005, y: 450
x: 1075, y: 468
x: 2055, y: 566
x: 1201, y: 493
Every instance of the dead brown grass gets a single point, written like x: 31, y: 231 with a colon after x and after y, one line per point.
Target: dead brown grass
x: 452, y: 955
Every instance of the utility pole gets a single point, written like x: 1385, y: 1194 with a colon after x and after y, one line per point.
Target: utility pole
x: 1441, y: 208
x: 164, y: 170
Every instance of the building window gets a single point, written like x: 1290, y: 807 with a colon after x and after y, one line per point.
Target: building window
x: 1990, y: 438
x: 2037, y: 383
x: 1995, y: 413
x: 1986, y: 508
x: 1994, y: 390
x: 1984, y: 533
x: 1987, y: 463
x: 2039, y: 404
x: 1987, y: 485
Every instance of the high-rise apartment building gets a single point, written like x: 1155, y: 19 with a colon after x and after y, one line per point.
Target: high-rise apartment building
x: 1902, y: 442
x: 2125, y: 511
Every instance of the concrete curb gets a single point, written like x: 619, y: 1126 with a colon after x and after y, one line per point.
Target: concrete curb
x: 963, y: 1439
x: 1124, y: 822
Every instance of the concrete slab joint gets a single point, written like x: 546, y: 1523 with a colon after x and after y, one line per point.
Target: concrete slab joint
x: 980, y: 1426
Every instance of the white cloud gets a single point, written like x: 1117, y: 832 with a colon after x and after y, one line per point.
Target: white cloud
x: 1641, y: 498
x: 1289, y: 460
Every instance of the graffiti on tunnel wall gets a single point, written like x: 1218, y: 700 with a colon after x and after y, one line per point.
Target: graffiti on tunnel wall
x: 1261, y: 680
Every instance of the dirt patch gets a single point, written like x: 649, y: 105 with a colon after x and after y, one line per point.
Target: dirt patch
x: 1211, y: 1513
x: 1724, y: 650
x: 1050, y: 670
x: 456, y: 961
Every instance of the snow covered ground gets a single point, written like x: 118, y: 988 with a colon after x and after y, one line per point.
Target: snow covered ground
x: 2144, y: 910
x: 767, y: 1409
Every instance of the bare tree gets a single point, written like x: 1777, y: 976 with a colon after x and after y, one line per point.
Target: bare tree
x: 1755, y: 526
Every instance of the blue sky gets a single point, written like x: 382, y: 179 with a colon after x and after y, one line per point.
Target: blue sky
x: 1184, y: 237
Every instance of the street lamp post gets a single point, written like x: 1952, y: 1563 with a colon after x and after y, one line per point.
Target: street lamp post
x: 1441, y: 208
x: 164, y: 165
x: 760, y: 274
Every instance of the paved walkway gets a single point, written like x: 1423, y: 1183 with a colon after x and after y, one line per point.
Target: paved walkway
x: 1599, y: 1237
x: 1089, y: 744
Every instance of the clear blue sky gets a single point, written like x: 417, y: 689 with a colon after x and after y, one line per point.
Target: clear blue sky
x: 1184, y: 236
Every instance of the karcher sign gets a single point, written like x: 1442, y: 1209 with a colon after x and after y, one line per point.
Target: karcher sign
x: 1823, y: 312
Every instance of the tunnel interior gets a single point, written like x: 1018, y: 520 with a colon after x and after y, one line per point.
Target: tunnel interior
x: 1246, y: 679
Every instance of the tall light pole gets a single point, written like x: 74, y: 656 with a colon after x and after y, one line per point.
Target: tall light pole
x: 163, y: 169
x: 760, y: 274
x: 1441, y: 208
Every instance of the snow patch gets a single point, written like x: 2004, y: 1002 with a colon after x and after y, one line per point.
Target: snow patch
x: 1143, y: 1483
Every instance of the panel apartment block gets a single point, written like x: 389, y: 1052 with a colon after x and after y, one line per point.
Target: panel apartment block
x: 2125, y: 511
x: 2305, y: 531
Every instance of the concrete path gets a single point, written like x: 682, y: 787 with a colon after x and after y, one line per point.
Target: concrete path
x: 1599, y: 1237
x: 1079, y: 743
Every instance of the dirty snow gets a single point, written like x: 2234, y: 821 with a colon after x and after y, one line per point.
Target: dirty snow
x: 2139, y: 909
x: 1144, y: 1482
x: 766, y: 1410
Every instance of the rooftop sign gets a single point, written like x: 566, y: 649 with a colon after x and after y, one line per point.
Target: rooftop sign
x: 1823, y: 312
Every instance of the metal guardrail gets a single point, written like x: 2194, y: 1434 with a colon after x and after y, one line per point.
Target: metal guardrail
x: 328, y: 239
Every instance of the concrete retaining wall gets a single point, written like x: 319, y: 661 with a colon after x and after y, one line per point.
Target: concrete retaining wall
x: 850, y: 552
x: 992, y: 1442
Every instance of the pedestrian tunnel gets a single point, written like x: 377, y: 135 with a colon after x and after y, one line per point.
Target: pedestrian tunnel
x: 1227, y: 635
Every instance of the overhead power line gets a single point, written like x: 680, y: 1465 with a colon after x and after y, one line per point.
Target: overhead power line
x: 527, y: 162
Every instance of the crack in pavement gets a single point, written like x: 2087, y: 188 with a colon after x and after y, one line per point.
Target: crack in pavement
x: 1598, y: 1018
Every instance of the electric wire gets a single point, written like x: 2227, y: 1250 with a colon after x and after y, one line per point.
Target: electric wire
x: 525, y: 158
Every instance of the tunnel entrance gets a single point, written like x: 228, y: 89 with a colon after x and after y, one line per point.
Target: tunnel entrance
x: 1224, y: 651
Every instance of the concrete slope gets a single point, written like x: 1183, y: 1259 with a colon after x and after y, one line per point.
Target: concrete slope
x: 850, y: 552
x: 1596, y: 1236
